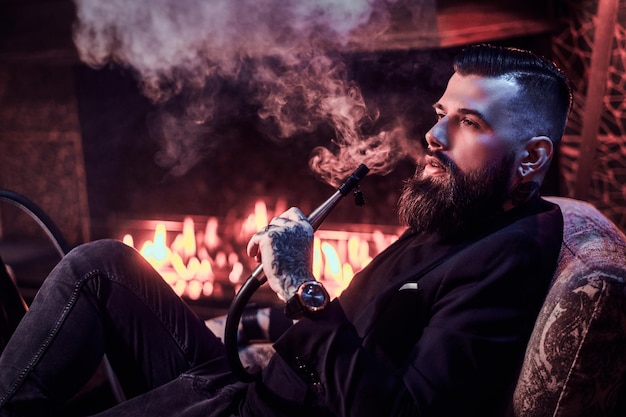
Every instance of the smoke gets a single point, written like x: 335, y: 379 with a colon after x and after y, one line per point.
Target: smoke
x: 284, y: 51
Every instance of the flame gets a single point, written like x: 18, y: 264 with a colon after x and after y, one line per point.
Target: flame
x: 339, y: 273
x: 156, y: 251
x: 211, y: 239
x: 332, y: 266
x: 260, y: 215
x: 189, y: 237
x: 198, y: 264
x: 128, y: 240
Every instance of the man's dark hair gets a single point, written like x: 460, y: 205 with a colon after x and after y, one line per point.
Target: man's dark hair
x: 545, y: 90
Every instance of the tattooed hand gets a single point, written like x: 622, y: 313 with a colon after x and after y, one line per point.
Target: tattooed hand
x: 285, y: 250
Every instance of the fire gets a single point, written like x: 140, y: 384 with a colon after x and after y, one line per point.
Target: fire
x: 197, y: 261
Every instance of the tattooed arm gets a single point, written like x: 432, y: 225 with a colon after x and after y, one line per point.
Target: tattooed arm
x: 285, y: 250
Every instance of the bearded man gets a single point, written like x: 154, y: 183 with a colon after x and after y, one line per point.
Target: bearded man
x: 436, y: 325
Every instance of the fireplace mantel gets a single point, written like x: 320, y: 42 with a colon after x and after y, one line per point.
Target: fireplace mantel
x: 450, y: 23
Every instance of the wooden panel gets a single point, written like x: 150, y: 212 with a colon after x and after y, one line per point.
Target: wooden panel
x: 461, y: 23
x: 41, y: 152
x: 48, y: 169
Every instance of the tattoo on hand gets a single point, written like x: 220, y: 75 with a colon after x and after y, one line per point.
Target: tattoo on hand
x: 292, y: 257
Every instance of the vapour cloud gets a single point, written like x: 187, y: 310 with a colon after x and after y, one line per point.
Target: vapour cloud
x: 282, y: 49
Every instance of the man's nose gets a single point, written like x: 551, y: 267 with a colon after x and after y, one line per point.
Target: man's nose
x: 436, y: 137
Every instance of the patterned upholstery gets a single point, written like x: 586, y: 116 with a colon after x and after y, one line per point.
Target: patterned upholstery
x: 576, y: 359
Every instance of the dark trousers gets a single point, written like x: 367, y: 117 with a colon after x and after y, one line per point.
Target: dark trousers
x: 103, y: 297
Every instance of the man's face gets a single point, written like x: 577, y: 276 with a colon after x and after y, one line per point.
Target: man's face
x: 476, y: 124
x: 473, y: 149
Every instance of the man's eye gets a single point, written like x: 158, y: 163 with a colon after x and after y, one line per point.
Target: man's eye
x: 439, y: 116
x: 470, y: 123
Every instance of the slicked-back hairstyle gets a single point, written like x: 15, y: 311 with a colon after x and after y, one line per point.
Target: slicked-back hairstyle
x: 545, y: 94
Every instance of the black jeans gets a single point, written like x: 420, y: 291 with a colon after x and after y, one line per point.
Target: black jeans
x: 103, y: 297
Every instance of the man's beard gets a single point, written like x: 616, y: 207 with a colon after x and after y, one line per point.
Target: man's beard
x: 433, y: 206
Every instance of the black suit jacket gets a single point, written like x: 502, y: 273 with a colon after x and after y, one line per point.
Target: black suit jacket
x: 441, y: 335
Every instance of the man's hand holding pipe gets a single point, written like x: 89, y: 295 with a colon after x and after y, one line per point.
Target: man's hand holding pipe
x: 285, y: 248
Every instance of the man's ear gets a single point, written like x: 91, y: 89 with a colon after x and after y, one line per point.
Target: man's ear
x: 537, y: 156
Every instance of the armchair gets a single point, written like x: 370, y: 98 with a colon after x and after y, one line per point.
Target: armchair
x: 575, y: 362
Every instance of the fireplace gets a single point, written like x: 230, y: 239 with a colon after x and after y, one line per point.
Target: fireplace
x: 203, y: 257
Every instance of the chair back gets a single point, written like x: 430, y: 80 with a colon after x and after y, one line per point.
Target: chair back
x: 575, y: 362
